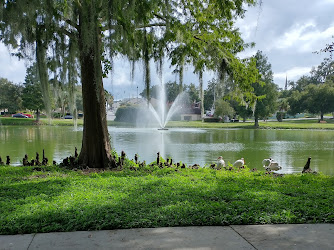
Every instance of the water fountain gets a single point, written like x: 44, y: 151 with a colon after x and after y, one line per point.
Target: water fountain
x: 161, y: 114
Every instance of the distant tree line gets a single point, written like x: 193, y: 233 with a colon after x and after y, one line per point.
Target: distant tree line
x: 28, y: 96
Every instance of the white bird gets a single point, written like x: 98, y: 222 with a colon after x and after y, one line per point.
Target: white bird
x: 266, y: 162
x: 273, y: 166
x: 239, y: 163
x: 220, y: 162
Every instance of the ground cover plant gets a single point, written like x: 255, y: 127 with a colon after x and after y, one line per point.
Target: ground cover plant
x: 49, y: 199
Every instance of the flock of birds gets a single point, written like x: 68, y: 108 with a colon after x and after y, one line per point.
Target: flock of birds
x: 268, y: 164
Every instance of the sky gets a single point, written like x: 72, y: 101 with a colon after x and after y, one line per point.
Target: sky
x: 286, y: 31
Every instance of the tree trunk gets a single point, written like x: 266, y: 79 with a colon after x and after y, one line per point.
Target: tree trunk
x: 256, y: 124
x: 321, y: 116
x: 201, y: 94
x: 96, y: 149
x: 37, y: 115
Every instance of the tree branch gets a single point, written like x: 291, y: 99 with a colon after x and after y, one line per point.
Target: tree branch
x: 159, y: 16
x: 151, y: 25
x: 73, y: 24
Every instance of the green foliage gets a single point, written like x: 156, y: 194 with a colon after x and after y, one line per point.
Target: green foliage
x: 31, y: 94
x: 265, y: 89
x: 192, y: 93
x: 318, y: 99
x: 128, y: 113
x: 10, y: 96
x: 223, y: 108
x: 58, y: 200
x: 241, y: 110
x: 280, y: 116
x: 68, y: 35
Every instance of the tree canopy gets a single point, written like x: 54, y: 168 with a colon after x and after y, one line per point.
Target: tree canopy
x: 31, y: 94
x: 265, y: 89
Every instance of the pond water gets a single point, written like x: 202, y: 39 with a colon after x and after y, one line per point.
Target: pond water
x: 290, y: 148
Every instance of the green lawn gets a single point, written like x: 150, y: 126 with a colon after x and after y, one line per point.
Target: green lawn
x: 43, y: 121
x: 296, y: 124
x: 56, y: 199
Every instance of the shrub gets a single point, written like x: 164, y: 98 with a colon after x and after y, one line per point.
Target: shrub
x: 128, y: 113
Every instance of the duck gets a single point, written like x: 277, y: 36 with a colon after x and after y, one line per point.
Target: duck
x: 220, y: 162
x: 273, y: 166
x: 239, y: 163
x: 266, y: 162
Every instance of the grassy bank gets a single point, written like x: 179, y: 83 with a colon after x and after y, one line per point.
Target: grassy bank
x: 295, y: 124
x: 62, y: 200
x: 43, y: 121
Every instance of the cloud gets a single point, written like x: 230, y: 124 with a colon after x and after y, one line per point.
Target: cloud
x: 293, y: 73
x: 10, y: 67
x: 303, y: 37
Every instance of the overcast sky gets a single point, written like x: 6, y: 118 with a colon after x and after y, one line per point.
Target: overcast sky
x: 287, y: 31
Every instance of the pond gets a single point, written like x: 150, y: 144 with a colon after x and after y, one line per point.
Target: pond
x: 290, y: 148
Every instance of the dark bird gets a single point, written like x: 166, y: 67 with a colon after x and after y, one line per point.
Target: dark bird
x: 75, y: 152
x: 158, y: 158
x: 307, y: 168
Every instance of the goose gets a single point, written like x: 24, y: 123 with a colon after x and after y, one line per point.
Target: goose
x: 273, y: 166
x: 220, y: 162
x: 239, y: 163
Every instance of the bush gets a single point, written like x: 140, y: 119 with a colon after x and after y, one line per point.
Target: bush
x: 212, y: 119
x: 128, y: 113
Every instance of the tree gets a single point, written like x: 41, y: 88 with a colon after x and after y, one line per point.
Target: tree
x: 214, y: 92
x: 319, y: 99
x: 87, y: 32
x: 10, y: 96
x: 223, y: 108
x: 192, y: 93
x: 241, y: 110
x: 323, y: 72
x: 31, y: 94
x: 266, y: 90
x: 295, y: 103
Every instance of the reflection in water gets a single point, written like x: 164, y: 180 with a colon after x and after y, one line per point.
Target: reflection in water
x: 58, y: 142
x: 290, y: 148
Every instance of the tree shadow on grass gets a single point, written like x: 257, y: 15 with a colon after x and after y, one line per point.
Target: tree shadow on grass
x: 164, y: 202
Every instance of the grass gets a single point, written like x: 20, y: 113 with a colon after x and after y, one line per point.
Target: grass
x: 294, y: 124
x: 57, y: 199
x: 32, y: 121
